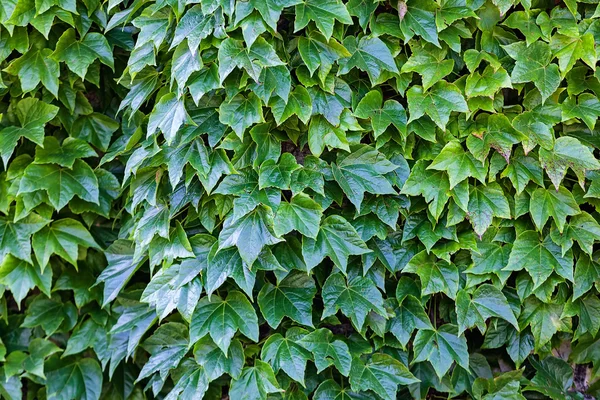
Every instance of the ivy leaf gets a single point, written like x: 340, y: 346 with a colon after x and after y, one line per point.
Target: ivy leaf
x: 63, y: 154
x: 499, y: 135
x: 63, y: 238
x: 362, y: 171
x: 193, y: 383
x: 49, y: 314
x: 35, y: 66
x: 441, y: 348
x: 327, y: 350
x: 167, y: 346
x: 570, y: 49
x: 382, y: 374
x: 233, y: 54
x: 582, y: 228
x: 321, y: 133
x: 544, y: 319
x: 301, y: 213
x: 80, y: 54
x: 368, y: 54
x: 487, y: 301
x: 432, y: 185
x: 459, y: 164
x: 355, y: 297
x: 438, y: 102
x: 61, y: 184
x: 555, y: 203
x: 318, y: 52
x: 436, y: 275
x: 15, y: 236
x: 568, y: 152
x: 418, y: 18
x: 522, y: 169
x: 74, y: 378
x: 539, y: 258
x: 587, y: 109
x: 330, y: 389
x: 221, y: 319
x: 430, y: 62
x: 241, y: 112
x: 410, y: 315
x: 215, y: 362
x: 299, y: 103
x: 121, y: 267
x: 292, y: 297
x: 533, y: 64
x: 249, y: 233
x: 167, y: 116
x: 194, y: 27
x: 336, y: 239
x: 277, y: 174
x: 283, y: 353
x: 20, y: 277
x: 485, y: 203
x: 392, y: 112
x: 255, y: 383
x: 33, y: 115
x: 488, y: 83
x: 323, y: 13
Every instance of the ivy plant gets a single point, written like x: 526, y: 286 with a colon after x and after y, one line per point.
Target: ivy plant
x: 299, y: 199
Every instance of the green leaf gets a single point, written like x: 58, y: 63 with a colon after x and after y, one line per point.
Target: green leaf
x: 368, y: 54
x: 363, y: 171
x: 436, y: 275
x: 323, y: 13
x: 167, y: 346
x: 233, y: 54
x: 215, y: 362
x: 586, y: 274
x: 522, y: 169
x: 241, y: 112
x: 381, y: 117
x: 15, y: 236
x: 194, y: 26
x: 61, y: 184
x: 569, y: 49
x: 121, y: 267
x: 430, y: 62
x: 438, y: 102
x: 485, y: 203
x: 441, y: 347
x: 355, y: 297
x: 74, y: 378
x: 277, y: 174
x: 418, y: 18
x: 63, y: 154
x: 336, y: 239
x: 20, y: 277
x: 557, y: 204
x: 587, y: 109
x: 301, y: 214
x: 544, y: 319
x: 327, y: 350
x: 249, y: 233
x: 487, y: 301
x: 80, y: 54
x: 62, y: 238
x: 34, y: 67
x: 321, y: 133
x: 318, y: 52
x: 255, y: 383
x: 539, y: 258
x: 533, y: 65
x: 568, y: 152
x: 298, y: 103
x: 433, y: 185
x: 221, y: 319
x: 284, y: 353
x: 292, y: 297
x: 382, y: 374
x: 49, y: 314
x: 168, y: 116
x: 409, y: 315
x: 459, y: 164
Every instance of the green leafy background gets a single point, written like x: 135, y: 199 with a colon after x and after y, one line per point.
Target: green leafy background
x: 293, y: 199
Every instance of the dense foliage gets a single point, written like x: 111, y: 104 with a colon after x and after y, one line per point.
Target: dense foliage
x: 292, y: 199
